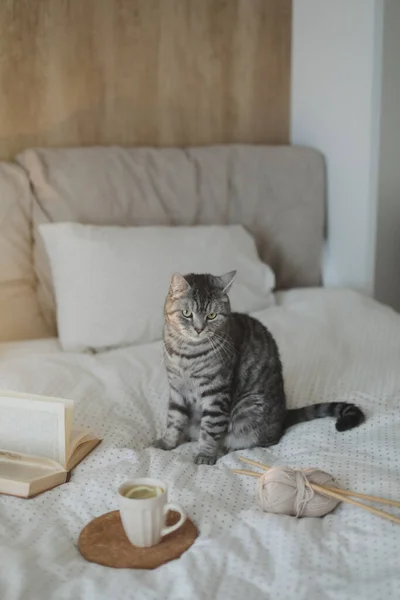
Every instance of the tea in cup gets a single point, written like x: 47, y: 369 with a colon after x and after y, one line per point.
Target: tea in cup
x: 143, y: 507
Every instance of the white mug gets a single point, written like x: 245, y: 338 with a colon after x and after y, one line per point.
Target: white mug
x: 143, y: 519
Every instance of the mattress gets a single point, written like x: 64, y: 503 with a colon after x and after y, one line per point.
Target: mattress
x: 335, y: 345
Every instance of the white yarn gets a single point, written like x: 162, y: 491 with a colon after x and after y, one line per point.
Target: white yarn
x: 286, y: 491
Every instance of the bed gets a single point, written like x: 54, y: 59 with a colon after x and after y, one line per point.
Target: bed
x: 335, y: 345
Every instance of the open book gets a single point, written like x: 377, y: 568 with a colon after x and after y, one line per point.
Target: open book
x: 38, y: 446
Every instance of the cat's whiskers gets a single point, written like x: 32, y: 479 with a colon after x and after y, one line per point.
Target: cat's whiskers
x: 217, y: 350
x: 225, y: 347
x: 226, y: 342
x: 226, y: 350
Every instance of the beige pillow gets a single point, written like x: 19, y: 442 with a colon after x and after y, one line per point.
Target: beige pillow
x: 20, y: 316
x: 276, y: 193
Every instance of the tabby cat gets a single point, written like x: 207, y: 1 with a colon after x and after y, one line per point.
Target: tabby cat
x: 225, y: 374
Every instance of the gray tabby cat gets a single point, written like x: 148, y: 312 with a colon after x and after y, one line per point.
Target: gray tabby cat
x: 225, y: 374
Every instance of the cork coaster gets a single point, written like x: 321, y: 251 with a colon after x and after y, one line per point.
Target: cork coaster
x: 103, y: 541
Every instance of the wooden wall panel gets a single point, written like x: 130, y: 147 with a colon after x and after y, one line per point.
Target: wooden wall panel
x: 143, y: 72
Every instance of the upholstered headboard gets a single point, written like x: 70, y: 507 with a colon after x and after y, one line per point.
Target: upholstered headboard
x: 277, y: 193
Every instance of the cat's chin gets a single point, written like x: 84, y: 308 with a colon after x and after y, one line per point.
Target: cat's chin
x: 200, y: 339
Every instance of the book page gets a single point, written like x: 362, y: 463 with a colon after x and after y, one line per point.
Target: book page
x: 25, y: 476
x: 25, y: 468
x: 34, y: 426
x: 78, y: 436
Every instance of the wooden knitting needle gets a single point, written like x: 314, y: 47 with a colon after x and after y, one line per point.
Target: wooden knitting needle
x: 242, y: 472
x: 376, y: 499
x: 254, y: 463
x: 333, y: 489
x: 334, y: 494
x: 338, y: 496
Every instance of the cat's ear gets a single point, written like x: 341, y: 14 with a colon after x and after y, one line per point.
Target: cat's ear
x: 178, y: 285
x: 225, y: 281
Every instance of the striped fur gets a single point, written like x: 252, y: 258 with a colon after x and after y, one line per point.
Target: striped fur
x: 225, y: 374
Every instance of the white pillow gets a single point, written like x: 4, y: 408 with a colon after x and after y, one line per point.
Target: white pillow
x: 111, y: 282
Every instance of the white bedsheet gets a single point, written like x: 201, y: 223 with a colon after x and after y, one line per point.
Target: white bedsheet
x: 335, y: 345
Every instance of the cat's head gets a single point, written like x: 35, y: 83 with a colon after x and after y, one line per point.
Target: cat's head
x: 197, y: 305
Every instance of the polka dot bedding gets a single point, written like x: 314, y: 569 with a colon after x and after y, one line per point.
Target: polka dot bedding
x: 335, y: 345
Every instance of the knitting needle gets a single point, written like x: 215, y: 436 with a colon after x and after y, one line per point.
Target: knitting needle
x: 340, y: 490
x: 242, y: 472
x: 254, y: 463
x: 375, y: 511
x: 364, y: 496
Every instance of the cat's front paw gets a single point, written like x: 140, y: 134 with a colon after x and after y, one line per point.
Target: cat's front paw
x: 163, y: 444
x: 204, y: 459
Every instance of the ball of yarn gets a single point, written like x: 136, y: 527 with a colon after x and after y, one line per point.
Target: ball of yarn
x: 286, y: 491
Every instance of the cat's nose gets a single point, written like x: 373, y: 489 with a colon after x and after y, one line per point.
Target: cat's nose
x: 198, y: 330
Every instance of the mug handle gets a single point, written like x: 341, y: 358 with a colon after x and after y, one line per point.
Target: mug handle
x: 171, y: 528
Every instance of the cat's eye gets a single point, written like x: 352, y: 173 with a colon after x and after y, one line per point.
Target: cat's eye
x: 211, y: 316
x: 187, y: 314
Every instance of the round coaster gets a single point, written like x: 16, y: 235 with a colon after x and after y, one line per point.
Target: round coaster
x: 103, y: 541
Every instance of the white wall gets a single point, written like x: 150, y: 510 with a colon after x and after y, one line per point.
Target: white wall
x: 335, y: 108
x: 387, y: 274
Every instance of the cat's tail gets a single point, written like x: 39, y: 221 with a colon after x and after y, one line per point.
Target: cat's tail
x: 347, y: 415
